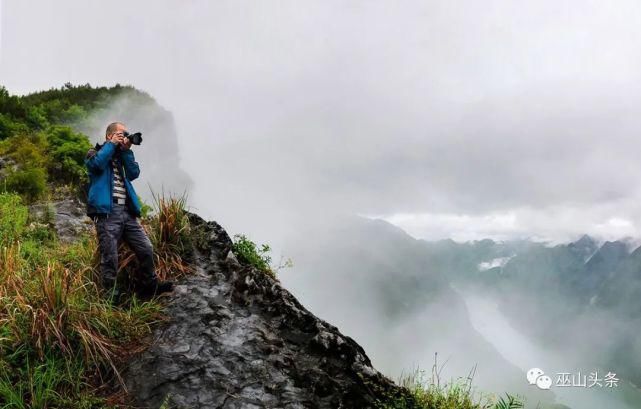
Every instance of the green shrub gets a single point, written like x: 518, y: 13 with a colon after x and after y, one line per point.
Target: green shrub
x: 9, y: 127
x: 11, y: 105
x: 30, y: 183
x: 28, y: 151
x: 248, y: 252
x: 37, y: 118
x: 67, y: 150
x: 29, y: 177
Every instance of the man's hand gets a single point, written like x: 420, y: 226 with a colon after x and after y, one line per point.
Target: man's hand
x: 122, y: 141
x: 117, y: 139
x: 126, y: 144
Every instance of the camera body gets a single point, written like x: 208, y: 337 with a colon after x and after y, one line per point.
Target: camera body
x: 135, y: 138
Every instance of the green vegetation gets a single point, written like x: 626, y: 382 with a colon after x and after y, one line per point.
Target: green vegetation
x: 55, y: 325
x: 67, y: 150
x: 13, y: 218
x: 59, y: 337
x: 457, y: 394
x: 44, y: 152
x: 248, y: 252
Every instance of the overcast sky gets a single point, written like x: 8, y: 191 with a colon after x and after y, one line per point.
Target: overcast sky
x: 459, y: 119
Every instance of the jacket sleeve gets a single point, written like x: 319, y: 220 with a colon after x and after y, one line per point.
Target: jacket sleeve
x: 132, y: 170
x: 98, y: 161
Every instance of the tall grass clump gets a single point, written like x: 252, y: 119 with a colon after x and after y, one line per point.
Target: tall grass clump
x: 169, y: 230
x: 58, y: 337
x: 171, y: 235
x: 430, y: 393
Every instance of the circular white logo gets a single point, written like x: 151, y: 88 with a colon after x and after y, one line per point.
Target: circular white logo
x: 536, y: 376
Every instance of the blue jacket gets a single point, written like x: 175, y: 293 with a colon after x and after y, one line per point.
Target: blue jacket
x: 101, y: 178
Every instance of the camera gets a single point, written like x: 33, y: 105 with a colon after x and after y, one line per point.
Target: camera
x: 135, y: 138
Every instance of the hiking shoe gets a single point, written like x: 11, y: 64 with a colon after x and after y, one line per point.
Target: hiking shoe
x: 157, y: 288
x: 164, y: 287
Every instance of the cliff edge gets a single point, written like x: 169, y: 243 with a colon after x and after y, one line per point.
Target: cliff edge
x: 235, y: 338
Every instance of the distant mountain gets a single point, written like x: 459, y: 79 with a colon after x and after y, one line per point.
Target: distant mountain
x: 601, y: 267
x: 621, y: 291
x: 392, y: 293
x: 554, y: 294
x: 585, y: 247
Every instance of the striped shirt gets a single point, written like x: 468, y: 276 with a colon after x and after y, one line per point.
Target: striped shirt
x: 119, y: 186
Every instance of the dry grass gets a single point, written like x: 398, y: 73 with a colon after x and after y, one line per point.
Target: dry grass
x: 169, y: 231
x: 52, y: 310
x: 58, y: 336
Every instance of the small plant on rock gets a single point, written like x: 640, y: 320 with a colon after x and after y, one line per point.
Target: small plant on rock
x: 258, y: 256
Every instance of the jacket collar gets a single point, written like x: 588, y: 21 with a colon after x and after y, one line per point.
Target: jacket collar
x: 101, y: 145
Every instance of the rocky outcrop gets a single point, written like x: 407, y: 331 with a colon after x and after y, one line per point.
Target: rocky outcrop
x: 67, y: 216
x: 236, y: 338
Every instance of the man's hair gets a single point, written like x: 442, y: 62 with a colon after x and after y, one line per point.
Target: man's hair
x: 111, y: 128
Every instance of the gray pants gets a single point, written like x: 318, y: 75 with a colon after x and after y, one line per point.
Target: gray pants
x: 111, y: 228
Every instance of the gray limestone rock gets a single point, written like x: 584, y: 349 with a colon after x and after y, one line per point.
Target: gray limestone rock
x: 68, y: 217
x: 235, y: 338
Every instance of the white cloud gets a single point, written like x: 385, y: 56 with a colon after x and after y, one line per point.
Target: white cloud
x: 495, y: 262
x: 553, y: 224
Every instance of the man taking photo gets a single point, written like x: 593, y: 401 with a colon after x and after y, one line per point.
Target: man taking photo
x: 113, y: 205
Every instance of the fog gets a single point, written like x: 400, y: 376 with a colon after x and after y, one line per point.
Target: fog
x: 424, y: 108
x: 463, y: 120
